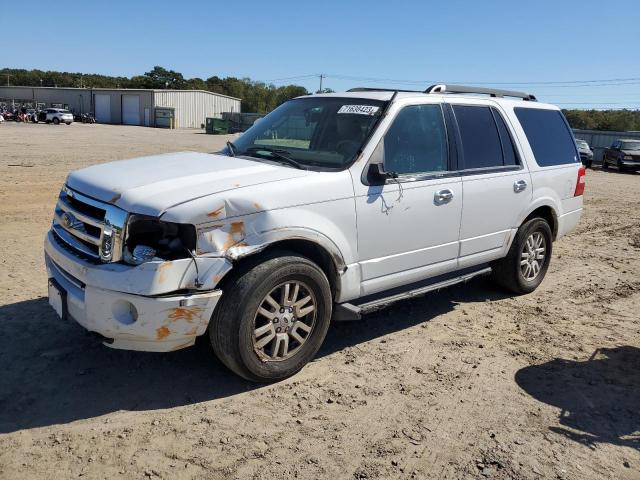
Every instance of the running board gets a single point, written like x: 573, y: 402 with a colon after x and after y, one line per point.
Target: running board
x: 349, y: 311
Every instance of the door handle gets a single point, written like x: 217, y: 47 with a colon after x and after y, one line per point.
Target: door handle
x: 519, y: 186
x: 443, y: 196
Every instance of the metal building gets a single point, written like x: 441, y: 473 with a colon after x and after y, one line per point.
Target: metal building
x: 148, y: 107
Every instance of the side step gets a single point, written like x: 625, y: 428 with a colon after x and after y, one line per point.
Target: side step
x: 350, y: 311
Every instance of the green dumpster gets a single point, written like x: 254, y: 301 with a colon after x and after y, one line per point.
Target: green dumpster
x: 216, y: 126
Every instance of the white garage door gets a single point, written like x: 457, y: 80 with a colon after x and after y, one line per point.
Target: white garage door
x: 131, y: 109
x: 103, y: 108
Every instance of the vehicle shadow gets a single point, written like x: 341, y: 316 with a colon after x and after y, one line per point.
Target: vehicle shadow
x: 53, y: 372
x: 599, y: 398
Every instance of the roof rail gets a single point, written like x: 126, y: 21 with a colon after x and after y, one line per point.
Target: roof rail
x: 373, y: 89
x: 441, y: 88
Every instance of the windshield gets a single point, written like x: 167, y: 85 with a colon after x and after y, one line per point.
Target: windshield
x: 582, y: 144
x: 324, y: 132
x: 631, y: 145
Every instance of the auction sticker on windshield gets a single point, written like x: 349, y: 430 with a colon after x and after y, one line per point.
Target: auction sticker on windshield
x: 359, y: 109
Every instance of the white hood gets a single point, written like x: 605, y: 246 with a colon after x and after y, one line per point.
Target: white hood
x: 151, y: 185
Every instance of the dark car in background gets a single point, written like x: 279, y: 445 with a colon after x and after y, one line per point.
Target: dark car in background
x: 624, y: 154
x: 586, y: 154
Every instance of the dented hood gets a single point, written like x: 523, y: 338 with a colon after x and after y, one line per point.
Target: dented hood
x: 151, y: 185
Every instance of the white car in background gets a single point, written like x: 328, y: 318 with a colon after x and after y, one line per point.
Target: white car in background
x: 55, y: 116
x: 586, y: 154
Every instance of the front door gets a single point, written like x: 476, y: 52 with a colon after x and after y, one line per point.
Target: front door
x: 408, y: 227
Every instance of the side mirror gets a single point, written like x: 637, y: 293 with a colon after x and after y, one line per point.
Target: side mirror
x: 377, y: 175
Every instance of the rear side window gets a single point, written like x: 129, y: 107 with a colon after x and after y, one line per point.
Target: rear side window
x: 486, y: 142
x: 549, y: 136
x: 480, y: 140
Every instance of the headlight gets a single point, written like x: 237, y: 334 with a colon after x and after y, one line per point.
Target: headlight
x: 149, y: 238
x: 628, y: 157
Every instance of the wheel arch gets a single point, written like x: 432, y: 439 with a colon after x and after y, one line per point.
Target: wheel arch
x: 319, y: 250
x: 548, y: 213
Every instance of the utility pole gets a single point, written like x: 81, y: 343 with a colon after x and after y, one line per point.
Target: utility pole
x: 7, y: 78
x: 321, y: 77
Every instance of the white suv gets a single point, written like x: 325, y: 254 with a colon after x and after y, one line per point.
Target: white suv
x: 55, y: 116
x: 331, y: 206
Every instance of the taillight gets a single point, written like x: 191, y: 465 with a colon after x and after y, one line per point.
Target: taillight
x: 582, y: 177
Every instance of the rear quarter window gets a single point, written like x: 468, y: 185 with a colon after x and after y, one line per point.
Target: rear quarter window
x: 549, y: 136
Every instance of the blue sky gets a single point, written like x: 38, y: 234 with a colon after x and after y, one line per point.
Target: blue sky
x: 355, y: 43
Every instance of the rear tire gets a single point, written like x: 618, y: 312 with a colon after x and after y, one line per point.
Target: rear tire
x: 605, y: 165
x: 527, y: 262
x: 56, y: 121
x: 244, y: 311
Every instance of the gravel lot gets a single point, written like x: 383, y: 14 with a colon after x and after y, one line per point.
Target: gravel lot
x: 464, y: 383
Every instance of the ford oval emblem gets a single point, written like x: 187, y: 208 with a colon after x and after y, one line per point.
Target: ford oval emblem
x: 68, y: 220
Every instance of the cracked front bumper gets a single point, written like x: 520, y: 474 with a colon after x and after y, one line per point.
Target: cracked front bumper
x: 132, y: 320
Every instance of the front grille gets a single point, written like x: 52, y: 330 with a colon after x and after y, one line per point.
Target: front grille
x: 89, y: 228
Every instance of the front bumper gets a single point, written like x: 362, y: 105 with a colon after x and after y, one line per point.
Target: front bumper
x: 152, y: 321
x: 630, y: 163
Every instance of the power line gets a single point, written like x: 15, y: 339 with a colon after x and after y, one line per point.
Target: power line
x: 284, y: 79
x: 540, y: 84
x: 596, y: 103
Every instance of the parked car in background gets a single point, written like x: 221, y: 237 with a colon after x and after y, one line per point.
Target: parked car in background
x: 586, y: 154
x: 32, y: 114
x: 1, y: 118
x: 55, y: 116
x: 624, y: 154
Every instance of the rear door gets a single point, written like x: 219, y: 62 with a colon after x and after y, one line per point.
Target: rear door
x: 496, y: 186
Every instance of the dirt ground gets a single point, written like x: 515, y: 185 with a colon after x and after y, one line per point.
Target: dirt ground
x: 464, y: 383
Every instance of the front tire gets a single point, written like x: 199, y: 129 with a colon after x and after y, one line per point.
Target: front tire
x: 605, y: 165
x: 527, y: 262
x: 272, y: 318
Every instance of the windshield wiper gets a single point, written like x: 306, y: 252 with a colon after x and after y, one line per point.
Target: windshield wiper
x: 278, y: 153
x: 232, y: 148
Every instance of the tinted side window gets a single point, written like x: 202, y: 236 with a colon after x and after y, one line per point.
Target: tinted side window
x: 549, y: 136
x: 481, y: 145
x: 416, y: 142
x: 508, y: 149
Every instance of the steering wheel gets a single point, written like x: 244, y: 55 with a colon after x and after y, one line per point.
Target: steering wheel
x: 346, y: 146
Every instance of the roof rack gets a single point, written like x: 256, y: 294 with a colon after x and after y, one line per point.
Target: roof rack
x: 441, y: 88
x: 373, y: 89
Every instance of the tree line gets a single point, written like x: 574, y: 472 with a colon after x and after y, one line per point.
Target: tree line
x: 256, y: 96
x: 615, y: 120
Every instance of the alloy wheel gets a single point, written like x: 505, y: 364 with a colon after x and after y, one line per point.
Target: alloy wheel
x: 533, y: 256
x: 284, y: 321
